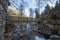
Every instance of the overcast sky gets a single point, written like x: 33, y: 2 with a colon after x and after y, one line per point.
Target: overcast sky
x: 43, y: 3
x: 31, y: 4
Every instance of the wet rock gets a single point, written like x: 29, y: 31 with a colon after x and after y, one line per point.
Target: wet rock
x: 55, y: 37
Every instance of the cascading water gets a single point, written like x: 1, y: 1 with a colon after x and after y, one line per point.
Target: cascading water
x: 28, y: 33
x: 16, y: 33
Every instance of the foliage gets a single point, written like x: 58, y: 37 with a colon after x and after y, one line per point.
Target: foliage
x: 37, y: 13
x: 52, y: 15
x: 47, y: 9
x: 31, y: 11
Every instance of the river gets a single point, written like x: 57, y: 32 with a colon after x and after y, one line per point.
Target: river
x: 30, y: 34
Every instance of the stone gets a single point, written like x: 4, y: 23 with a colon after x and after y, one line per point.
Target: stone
x: 3, y: 7
x: 55, y: 37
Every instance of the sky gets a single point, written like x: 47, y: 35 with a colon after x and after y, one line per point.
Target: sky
x: 31, y: 4
x: 43, y: 3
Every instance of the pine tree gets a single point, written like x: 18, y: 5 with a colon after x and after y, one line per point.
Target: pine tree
x: 37, y: 13
x: 56, y: 3
x: 47, y: 9
x: 31, y: 12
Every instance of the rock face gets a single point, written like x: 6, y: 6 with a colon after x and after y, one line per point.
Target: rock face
x: 15, y: 13
x: 3, y: 11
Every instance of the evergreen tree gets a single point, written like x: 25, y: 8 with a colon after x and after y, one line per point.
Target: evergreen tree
x: 31, y: 13
x: 37, y: 13
x: 56, y: 3
x: 47, y: 9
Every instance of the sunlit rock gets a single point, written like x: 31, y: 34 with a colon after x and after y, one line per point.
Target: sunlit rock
x: 15, y: 12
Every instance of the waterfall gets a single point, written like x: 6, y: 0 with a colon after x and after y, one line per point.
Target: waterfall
x: 28, y: 33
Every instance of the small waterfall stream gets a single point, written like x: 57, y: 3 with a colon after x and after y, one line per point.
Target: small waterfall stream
x: 29, y: 33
